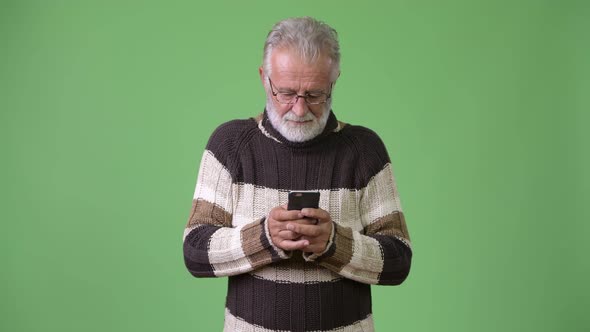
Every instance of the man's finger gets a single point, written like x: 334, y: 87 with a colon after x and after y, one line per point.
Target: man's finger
x: 315, y: 245
x: 305, y: 221
x: 286, y: 215
x: 288, y: 235
x: 313, y: 248
x: 309, y: 230
x: 293, y: 245
x: 315, y: 214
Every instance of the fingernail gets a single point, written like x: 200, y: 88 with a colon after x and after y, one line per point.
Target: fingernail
x: 290, y: 227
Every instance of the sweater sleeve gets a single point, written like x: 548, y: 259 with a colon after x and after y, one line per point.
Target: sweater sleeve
x: 212, y: 245
x: 381, y: 252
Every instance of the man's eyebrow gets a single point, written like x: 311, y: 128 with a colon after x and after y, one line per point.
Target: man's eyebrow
x: 289, y: 90
x: 316, y: 91
x: 285, y: 90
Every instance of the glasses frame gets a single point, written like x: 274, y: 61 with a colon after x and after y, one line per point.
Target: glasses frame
x: 297, y: 96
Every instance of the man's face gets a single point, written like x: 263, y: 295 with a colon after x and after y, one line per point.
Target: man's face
x: 300, y: 121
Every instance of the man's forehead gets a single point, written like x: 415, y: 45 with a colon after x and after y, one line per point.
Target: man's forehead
x: 288, y: 60
x: 290, y: 64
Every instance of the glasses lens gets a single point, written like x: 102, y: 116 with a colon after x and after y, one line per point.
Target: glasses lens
x: 286, y: 98
x: 314, y: 100
x: 289, y: 98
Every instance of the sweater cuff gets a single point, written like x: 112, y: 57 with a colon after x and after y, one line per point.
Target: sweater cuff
x: 256, y: 245
x: 339, y: 253
x: 310, y: 257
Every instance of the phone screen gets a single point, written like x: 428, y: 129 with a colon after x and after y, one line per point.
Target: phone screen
x: 303, y: 199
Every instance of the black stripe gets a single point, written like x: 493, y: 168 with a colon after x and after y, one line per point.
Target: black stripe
x: 397, y: 259
x: 297, y: 306
x: 196, y: 254
x: 356, y: 154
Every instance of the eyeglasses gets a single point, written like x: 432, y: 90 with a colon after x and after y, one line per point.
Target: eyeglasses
x: 311, y: 98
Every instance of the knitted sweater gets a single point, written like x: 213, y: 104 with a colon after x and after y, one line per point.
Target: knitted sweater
x: 247, y: 169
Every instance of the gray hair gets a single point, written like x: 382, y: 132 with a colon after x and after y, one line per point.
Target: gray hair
x: 305, y: 35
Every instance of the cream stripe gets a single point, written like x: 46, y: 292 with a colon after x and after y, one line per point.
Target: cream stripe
x: 366, y: 263
x: 250, y: 202
x: 383, y: 187
x: 295, y: 272
x: 236, y: 324
x: 225, y: 252
x: 214, y: 183
x: 253, y: 202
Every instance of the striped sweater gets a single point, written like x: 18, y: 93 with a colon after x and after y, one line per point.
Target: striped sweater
x: 247, y: 169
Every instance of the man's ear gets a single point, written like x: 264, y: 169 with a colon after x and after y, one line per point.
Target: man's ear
x: 337, y: 76
x: 261, y: 73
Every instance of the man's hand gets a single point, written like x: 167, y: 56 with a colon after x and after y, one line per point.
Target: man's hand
x: 317, y: 233
x: 278, y: 219
x: 297, y: 230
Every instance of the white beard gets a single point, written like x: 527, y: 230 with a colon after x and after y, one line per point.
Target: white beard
x: 298, y: 133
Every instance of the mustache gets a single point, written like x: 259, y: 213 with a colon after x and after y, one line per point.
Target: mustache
x: 290, y: 116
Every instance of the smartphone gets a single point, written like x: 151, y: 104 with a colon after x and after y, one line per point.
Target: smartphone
x: 303, y: 199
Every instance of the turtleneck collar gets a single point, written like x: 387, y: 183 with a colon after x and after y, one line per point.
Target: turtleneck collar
x: 332, y: 125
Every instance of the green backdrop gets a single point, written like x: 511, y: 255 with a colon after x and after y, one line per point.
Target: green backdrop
x: 106, y: 107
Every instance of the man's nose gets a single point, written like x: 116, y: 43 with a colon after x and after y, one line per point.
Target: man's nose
x: 300, y: 107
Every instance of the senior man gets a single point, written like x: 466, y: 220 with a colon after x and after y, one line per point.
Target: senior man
x: 308, y: 269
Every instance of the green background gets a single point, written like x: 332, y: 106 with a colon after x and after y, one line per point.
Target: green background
x: 106, y: 107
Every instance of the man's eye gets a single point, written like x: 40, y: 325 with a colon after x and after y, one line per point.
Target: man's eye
x: 287, y: 95
x: 313, y: 97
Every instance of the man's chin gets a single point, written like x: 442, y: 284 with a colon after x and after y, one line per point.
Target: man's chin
x: 296, y: 131
x: 299, y: 132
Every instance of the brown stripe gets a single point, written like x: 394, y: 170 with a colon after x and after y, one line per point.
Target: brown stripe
x: 207, y: 213
x: 341, y: 254
x: 252, y: 244
x: 393, y: 224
